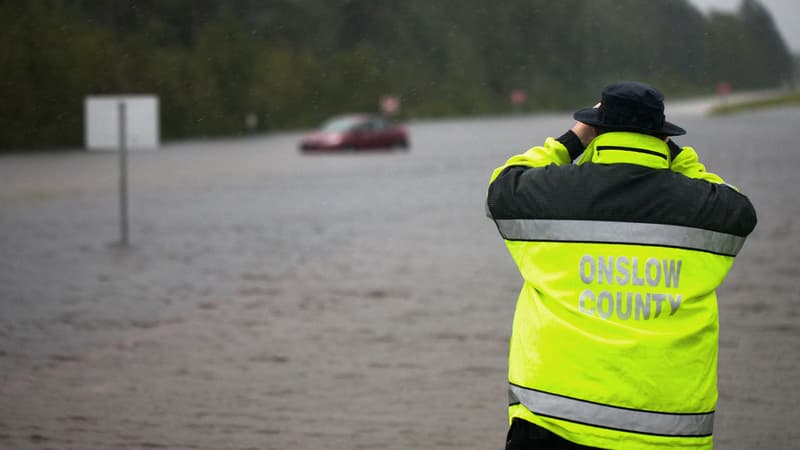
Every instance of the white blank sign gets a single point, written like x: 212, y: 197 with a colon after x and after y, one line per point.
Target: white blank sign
x: 141, y: 122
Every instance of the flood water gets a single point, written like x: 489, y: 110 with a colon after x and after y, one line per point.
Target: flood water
x: 274, y: 300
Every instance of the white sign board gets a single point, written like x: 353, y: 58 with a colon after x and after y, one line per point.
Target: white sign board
x: 102, y: 124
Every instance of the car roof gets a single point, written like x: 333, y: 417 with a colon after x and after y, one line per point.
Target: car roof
x: 359, y: 116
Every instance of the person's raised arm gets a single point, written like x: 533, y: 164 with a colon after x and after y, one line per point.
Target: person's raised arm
x: 562, y: 150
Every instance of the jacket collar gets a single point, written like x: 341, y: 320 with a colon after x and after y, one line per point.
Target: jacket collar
x: 623, y: 147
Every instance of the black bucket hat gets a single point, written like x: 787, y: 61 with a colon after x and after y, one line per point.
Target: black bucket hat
x: 630, y: 106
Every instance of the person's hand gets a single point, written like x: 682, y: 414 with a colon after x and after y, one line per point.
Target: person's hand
x: 585, y: 132
x: 674, y: 148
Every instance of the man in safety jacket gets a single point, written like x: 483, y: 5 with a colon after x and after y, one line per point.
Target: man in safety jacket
x: 614, y: 339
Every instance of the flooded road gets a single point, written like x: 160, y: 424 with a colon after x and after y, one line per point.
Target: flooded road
x: 275, y: 300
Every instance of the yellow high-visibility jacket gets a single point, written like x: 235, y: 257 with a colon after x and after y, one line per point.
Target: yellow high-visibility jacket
x: 614, y: 339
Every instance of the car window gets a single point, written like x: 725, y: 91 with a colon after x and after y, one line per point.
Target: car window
x: 378, y: 124
x: 363, y: 126
x: 341, y: 124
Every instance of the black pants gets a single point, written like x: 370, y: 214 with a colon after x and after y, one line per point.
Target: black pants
x: 523, y: 435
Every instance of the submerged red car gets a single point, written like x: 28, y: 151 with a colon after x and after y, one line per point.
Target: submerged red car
x: 356, y: 132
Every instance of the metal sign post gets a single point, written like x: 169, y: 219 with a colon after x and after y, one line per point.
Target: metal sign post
x: 123, y: 177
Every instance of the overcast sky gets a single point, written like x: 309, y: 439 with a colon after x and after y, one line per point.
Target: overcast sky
x: 785, y: 13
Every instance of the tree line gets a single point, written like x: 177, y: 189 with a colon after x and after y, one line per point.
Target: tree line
x: 292, y: 63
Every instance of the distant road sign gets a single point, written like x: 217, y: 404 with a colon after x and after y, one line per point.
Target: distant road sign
x: 102, y: 125
x: 390, y: 104
x: 518, y: 97
x: 724, y: 88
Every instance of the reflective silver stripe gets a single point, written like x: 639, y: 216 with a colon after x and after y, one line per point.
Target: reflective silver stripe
x: 620, y: 233
x: 588, y: 413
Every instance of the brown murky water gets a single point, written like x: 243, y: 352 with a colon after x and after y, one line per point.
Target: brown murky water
x: 272, y: 300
